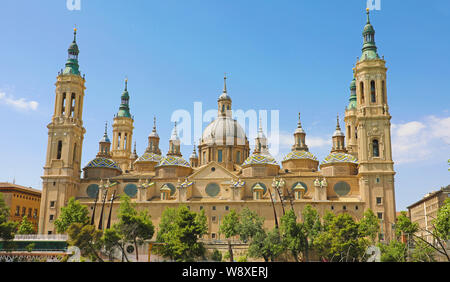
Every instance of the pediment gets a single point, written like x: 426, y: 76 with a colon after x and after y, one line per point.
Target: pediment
x: 212, y: 170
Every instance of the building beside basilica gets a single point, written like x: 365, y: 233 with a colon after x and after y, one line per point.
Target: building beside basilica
x: 225, y: 174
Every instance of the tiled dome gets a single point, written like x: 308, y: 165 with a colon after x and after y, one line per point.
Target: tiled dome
x: 340, y: 158
x: 102, y: 163
x: 298, y: 155
x: 149, y: 157
x: 260, y: 159
x: 173, y: 161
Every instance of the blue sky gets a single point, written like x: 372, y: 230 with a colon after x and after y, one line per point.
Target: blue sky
x: 284, y: 55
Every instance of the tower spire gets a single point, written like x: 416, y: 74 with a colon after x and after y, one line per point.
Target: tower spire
x: 225, y: 83
x: 72, y: 66
x: 369, y: 48
x: 124, y: 109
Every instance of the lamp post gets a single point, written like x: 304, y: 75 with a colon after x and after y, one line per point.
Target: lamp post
x: 278, y: 184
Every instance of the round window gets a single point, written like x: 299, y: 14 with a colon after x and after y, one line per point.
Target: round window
x: 298, y: 184
x: 131, y: 190
x: 342, y: 188
x: 260, y: 184
x: 92, y: 191
x: 212, y: 189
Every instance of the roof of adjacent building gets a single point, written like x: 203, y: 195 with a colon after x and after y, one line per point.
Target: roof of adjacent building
x: 6, y: 185
x: 260, y: 159
x: 298, y: 155
x: 149, y: 157
x: 431, y: 195
x: 173, y: 161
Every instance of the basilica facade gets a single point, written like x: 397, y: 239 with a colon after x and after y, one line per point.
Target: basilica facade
x: 225, y: 174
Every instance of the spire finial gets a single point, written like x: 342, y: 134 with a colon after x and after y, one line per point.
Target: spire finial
x: 106, y: 128
x: 154, y: 123
x: 75, y: 34
x: 134, y: 148
x: 368, y: 15
x: 225, y: 83
x: 126, y: 84
x: 338, y: 126
x: 299, y: 121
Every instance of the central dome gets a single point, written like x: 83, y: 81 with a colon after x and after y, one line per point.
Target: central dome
x: 223, y: 131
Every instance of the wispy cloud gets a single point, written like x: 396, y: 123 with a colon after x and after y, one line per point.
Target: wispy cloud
x: 19, y: 104
x: 422, y: 140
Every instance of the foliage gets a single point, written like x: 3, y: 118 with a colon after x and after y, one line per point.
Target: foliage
x: 250, y: 224
x: 242, y: 258
x: 266, y: 245
x: 74, y: 212
x: 26, y: 227
x: 292, y: 234
x: 395, y: 251
x: 341, y: 241
x: 179, y: 231
x: 422, y: 252
x: 230, y: 224
x: 311, y: 228
x: 405, y: 226
x: 7, y: 228
x: 133, y: 226
x: 87, y: 239
x: 442, y: 221
x: 230, y: 228
x: 369, y: 225
x: 216, y: 255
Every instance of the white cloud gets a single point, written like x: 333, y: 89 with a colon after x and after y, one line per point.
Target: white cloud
x: 20, y: 104
x: 417, y: 141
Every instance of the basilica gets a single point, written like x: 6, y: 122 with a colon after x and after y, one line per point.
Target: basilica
x: 223, y: 172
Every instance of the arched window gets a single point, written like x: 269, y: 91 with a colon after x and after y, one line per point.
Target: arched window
x: 383, y: 93
x: 74, y: 152
x: 72, y: 105
x: 361, y: 86
x: 118, y: 140
x: 372, y: 92
x: 376, y: 148
x: 238, y: 157
x: 58, y: 154
x: 63, y: 104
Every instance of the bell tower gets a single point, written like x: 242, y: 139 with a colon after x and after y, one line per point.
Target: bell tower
x: 62, y: 168
x: 123, y: 133
x: 376, y: 166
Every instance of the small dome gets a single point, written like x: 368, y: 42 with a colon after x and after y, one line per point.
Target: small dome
x: 339, y: 158
x: 224, y: 96
x: 338, y: 133
x: 260, y: 159
x: 221, y: 128
x: 173, y: 161
x: 149, y: 157
x: 368, y: 29
x: 353, y: 84
x: 299, y: 155
x: 102, y: 163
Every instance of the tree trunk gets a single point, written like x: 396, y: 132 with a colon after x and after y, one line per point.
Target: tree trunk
x: 136, y: 248
x: 306, y: 251
x: 230, y: 251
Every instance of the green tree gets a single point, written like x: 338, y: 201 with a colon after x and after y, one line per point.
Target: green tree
x: 133, y: 226
x: 216, y: 255
x: 112, y: 241
x: 369, y: 226
x: 395, y: 251
x: 74, y: 212
x: 311, y: 228
x: 26, y: 227
x: 230, y: 228
x: 180, y: 230
x: 292, y: 234
x: 422, y: 252
x: 87, y: 239
x: 266, y: 245
x: 442, y: 222
x: 7, y: 227
x: 249, y: 225
x: 341, y: 241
